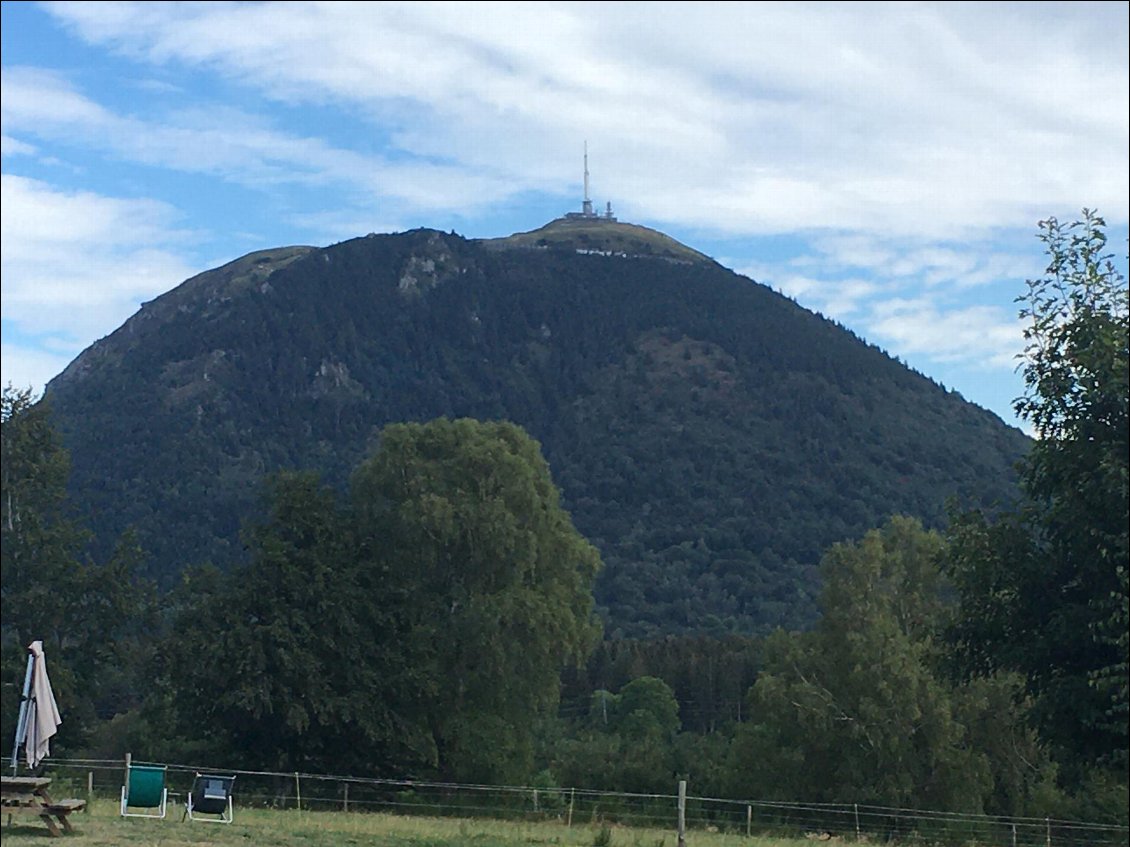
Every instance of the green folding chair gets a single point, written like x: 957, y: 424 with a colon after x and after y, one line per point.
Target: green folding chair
x: 145, y: 789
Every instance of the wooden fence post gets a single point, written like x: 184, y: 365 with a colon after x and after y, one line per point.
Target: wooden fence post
x: 345, y: 799
x: 297, y: 792
x: 569, y: 819
x: 682, y: 835
x: 89, y: 791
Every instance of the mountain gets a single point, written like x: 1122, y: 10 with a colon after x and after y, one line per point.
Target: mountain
x: 709, y: 435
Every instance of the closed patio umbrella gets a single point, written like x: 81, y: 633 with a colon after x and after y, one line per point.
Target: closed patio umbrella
x: 39, y: 714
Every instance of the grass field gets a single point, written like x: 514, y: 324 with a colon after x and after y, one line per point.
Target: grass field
x: 102, y: 827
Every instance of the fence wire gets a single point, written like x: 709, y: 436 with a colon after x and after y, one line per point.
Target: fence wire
x: 580, y: 806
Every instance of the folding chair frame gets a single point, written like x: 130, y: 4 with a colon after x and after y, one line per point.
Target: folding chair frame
x: 161, y: 807
x: 226, y: 813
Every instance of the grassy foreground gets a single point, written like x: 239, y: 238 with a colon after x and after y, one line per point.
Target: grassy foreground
x: 102, y: 827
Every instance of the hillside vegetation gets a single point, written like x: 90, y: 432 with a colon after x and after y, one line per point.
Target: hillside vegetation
x: 433, y: 620
x: 709, y: 436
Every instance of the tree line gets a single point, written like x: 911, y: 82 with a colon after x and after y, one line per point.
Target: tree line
x: 436, y: 620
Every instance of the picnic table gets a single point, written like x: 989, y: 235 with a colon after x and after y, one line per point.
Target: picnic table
x: 28, y: 795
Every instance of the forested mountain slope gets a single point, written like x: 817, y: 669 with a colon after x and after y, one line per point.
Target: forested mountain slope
x: 710, y: 436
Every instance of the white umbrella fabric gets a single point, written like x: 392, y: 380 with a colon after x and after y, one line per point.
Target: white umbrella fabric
x: 39, y: 714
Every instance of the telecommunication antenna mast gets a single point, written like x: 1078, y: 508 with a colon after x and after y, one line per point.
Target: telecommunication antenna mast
x: 586, y: 207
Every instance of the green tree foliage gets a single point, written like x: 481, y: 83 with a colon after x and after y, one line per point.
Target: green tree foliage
x: 647, y: 709
x: 295, y: 660
x: 629, y: 741
x: 996, y: 713
x: 419, y: 627
x: 710, y: 675
x: 89, y: 615
x: 645, y: 706
x: 40, y: 542
x: 499, y: 583
x: 854, y: 711
x: 1044, y: 589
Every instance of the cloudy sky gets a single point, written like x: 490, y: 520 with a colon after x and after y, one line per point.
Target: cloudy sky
x: 882, y: 164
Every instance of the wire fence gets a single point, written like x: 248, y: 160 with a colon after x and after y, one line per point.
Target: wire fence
x: 580, y: 806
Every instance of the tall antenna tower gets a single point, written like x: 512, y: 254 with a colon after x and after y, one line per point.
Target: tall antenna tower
x: 586, y: 207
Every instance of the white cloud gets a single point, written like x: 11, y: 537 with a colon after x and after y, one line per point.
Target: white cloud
x: 899, y: 142
x: 23, y: 367
x: 11, y: 147
x: 34, y: 96
x: 746, y: 118
x: 233, y: 145
x: 840, y: 299
x: 76, y: 263
x: 913, y: 296
x: 924, y: 262
x: 980, y: 335
x: 336, y: 226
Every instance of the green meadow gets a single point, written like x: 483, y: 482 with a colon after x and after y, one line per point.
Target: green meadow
x: 103, y: 827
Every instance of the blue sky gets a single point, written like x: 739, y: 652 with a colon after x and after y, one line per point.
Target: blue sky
x: 882, y: 164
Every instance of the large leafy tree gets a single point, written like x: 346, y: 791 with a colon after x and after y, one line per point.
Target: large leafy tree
x: 1044, y: 590
x: 466, y: 515
x: 418, y: 627
x: 37, y: 543
x: 40, y: 542
x: 294, y: 660
x: 855, y: 710
x: 88, y: 614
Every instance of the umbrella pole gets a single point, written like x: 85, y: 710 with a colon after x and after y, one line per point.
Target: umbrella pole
x: 21, y: 724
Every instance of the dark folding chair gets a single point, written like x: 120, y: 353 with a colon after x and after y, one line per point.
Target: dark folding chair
x: 211, y: 794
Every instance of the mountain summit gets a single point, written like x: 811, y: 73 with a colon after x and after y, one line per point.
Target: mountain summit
x: 601, y: 236
x: 710, y: 436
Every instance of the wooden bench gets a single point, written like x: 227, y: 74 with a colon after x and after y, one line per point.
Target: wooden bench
x: 50, y: 812
x: 61, y: 809
x: 66, y: 806
x: 28, y: 795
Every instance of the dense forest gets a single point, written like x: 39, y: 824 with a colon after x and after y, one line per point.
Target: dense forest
x: 435, y: 618
x: 710, y: 437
